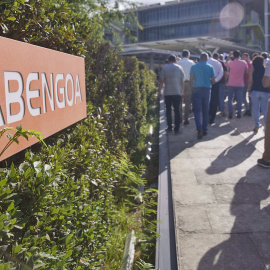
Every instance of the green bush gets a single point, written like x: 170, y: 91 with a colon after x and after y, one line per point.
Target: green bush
x: 62, y: 205
x: 47, y: 23
x: 59, y: 207
x: 122, y: 85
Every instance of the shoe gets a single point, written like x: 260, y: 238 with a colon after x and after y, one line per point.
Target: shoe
x: 238, y: 116
x: 200, y: 134
x: 230, y: 115
x: 177, y: 131
x: 168, y: 129
x: 256, y: 129
x: 223, y: 114
x: 263, y: 163
x: 247, y: 113
x: 186, y: 122
x: 204, y: 133
x: 211, y: 121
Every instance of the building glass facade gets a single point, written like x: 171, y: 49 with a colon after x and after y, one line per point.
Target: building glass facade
x: 187, y: 19
x: 181, y: 13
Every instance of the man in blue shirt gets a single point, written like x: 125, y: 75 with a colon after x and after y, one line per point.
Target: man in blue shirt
x: 202, y: 76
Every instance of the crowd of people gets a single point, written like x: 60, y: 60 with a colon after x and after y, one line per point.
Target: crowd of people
x: 201, y: 85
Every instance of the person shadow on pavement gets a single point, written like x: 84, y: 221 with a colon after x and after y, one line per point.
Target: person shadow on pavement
x: 232, y: 156
x: 248, y: 243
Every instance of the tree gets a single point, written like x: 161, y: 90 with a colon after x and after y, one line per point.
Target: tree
x: 57, y: 24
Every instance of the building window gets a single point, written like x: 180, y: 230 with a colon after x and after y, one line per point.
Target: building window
x: 186, y: 19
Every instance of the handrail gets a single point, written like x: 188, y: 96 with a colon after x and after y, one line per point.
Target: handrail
x: 166, y: 255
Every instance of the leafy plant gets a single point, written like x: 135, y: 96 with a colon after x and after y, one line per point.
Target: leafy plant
x: 63, y: 25
x: 142, y: 265
x: 59, y: 208
x: 62, y: 206
x: 19, y: 132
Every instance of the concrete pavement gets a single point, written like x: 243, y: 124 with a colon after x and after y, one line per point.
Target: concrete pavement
x: 221, y: 199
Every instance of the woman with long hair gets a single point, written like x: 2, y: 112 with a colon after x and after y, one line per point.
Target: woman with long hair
x: 259, y: 94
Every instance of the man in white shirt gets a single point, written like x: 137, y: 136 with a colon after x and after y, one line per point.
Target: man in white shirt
x: 265, y: 56
x: 214, y: 100
x: 186, y: 64
x: 265, y: 160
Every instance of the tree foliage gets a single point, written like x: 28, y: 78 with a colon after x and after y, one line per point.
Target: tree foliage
x: 122, y: 86
x: 58, y: 208
x: 63, y: 25
x: 59, y: 205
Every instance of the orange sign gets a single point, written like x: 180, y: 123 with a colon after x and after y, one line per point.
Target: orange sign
x: 41, y: 89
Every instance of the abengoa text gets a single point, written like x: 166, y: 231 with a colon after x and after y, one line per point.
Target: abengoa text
x: 56, y: 91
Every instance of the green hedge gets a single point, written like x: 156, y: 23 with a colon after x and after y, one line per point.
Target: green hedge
x: 122, y: 85
x: 61, y: 206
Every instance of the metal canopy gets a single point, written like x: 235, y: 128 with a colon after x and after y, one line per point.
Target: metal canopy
x: 194, y: 44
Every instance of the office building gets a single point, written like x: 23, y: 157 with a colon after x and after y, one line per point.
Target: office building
x: 199, y: 25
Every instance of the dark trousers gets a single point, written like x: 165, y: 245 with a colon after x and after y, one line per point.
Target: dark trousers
x: 214, y: 101
x: 200, y: 101
x: 174, y: 101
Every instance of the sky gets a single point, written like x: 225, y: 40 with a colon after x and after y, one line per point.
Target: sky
x: 147, y: 2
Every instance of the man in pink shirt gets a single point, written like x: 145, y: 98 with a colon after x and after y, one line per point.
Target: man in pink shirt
x: 238, y: 69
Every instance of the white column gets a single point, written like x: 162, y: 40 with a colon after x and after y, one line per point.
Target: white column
x: 151, y: 62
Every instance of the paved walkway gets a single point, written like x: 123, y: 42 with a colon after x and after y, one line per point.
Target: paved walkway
x: 220, y: 197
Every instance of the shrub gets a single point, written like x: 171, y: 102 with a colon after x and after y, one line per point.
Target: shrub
x: 122, y: 85
x: 61, y: 204
x: 58, y: 207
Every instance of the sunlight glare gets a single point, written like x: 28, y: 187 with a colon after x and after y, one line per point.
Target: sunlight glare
x: 231, y: 15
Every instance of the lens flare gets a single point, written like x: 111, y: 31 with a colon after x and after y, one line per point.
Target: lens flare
x: 231, y: 15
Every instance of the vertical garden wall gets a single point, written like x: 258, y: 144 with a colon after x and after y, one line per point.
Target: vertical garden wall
x: 69, y: 205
